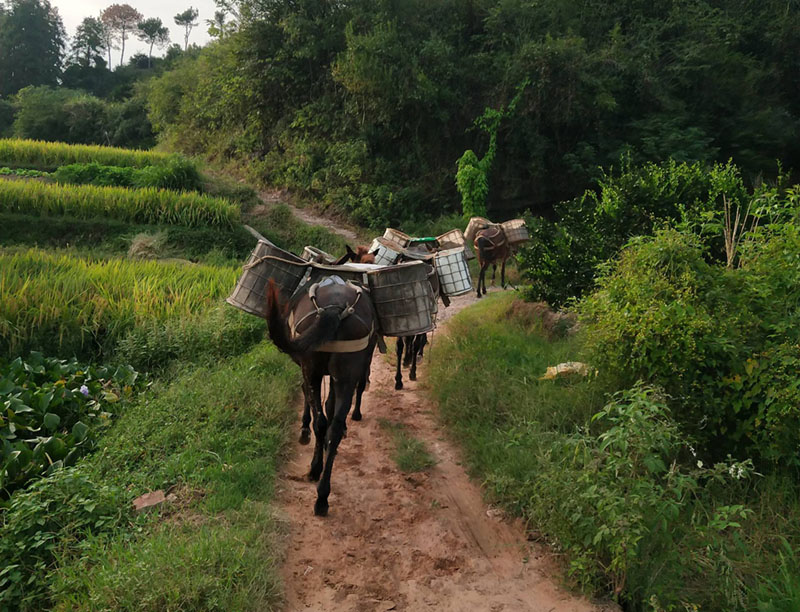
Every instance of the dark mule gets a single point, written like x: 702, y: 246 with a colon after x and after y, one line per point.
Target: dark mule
x: 411, y: 348
x: 492, y: 247
x: 314, y: 330
x: 360, y: 255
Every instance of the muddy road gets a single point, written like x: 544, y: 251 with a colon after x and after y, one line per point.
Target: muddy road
x: 395, y: 541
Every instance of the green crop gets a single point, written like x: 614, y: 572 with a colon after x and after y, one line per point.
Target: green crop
x: 47, y: 155
x: 157, y: 206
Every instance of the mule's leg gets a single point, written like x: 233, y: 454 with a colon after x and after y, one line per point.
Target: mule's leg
x: 409, y: 348
x: 494, y: 272
x: 423, y: 341
x: 480, y: 279
x: 320, y: 427
x: 503, y: 275
x: 398, y: 377
x: 412, y: 374
x: 344, y: 396
x: 363, y: 383
x: 305, y: 431
x: 330, y: 407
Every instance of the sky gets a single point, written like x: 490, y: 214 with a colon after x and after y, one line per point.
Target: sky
x: 73, y: 11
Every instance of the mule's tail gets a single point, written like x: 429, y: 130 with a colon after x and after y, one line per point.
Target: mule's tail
x: 485, y: 247
x: 323, y: 329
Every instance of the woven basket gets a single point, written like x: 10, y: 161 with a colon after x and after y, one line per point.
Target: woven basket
x: 388, y: 252
x: 454, y: 239
x: 314, y: 254
x: 515, y: 231
x: 403, y: 299
x: 475, y: 224
x: 453, y: 271
x: 266, y: 262
x: 397, y: 236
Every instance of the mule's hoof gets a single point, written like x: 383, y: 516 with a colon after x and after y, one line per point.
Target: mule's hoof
x: 312, y: 477
x: 412, y: 377
x: 398, y: 386
x: 478, y: 295
x: 321, y: 508
x: 305, y: 436
x: 356, y: 416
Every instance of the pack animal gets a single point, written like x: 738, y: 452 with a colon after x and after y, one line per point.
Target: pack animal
x: 328, y: 331
x: 492, y: 248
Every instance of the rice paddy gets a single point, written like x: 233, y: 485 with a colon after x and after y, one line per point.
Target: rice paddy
x: 50, y: 155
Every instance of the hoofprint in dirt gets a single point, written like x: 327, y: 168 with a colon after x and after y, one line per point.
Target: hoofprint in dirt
x: 396, y: 541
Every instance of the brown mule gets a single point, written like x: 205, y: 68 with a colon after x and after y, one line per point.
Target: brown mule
x: 492, y: 247
x: 328, y: 331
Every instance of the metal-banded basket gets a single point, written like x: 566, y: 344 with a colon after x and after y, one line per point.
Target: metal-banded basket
x: 386, y: 252
x: 316, y: 255
x: 516, y: 232
x: 474, y: 226
x: 453, y: 271
x: 397, y: 236
x: 316, y: 272
x: 266, y: 262
x: 454, y: 239
x: 403, y: 299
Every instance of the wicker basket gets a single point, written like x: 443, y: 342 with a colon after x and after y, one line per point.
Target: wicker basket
x: 475, y: 224
x: 515, y: 231
x: 454, y: 239
x: 453, y: 271
x: 403, y: 299
x: 386, y: 252
x: 397, y: 236
x: 316, y: 255
x: 266, y: 262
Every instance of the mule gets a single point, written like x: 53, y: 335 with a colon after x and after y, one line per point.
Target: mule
x: 360, y: 255
x: 328, y: 331
x: 492, y: 247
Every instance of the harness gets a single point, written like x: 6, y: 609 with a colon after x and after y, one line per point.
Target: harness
x: 335, y: 346
x: 496, y: 239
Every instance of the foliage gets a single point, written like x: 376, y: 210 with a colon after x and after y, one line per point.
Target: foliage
x: 120, y: 20
x: 89, y: 43
x: 561, y: 260
x: 54, y: 411
x: 611, y: 482
x: 51, y: 155
x: 410, y: 453
x: 32, y: 41
x: 721, y: 342
x: 177, y: 174
x: 147, y: 205
x: 154, y: 32
x: 5, y: 171
x: 6, y: 118
x: 68, y: 305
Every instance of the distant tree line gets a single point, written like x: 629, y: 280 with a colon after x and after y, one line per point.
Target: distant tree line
x: 368, y: 104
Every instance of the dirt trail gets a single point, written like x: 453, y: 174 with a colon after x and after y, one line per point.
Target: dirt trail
x: 393, y: 541
x: 305, y: 215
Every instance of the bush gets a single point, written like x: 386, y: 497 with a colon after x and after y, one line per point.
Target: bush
x: 6, y: 118
x: 721, y: 342
x: 561, y: 260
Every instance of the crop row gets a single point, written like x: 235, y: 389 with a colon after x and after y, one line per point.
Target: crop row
x: 156, y: 206
x: 50, y: 155
x: 68, y: 305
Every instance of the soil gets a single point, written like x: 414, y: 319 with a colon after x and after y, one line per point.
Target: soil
x: 306, y: 215
x: 396, y: 541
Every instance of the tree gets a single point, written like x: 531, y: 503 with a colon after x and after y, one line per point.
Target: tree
x: 219, y: 27
x: 31, y: 45
x: 187, y: 20
x: 89, y: 42
x: 121, y: 19
x: 154, y: 32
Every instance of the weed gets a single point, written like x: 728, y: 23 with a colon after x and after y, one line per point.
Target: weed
x: 410, y: 453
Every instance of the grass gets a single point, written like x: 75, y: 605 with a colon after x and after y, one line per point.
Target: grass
x: 278, y: 224
x: 50, y: 155
x: 410, y: 453
x: 64, y: 304
x: 540, y: 454
x: 214, y: 435
x: 149, y: 205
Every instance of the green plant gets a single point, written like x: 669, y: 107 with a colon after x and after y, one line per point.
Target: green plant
x: 5, y: 171
x: 51, y: 155
x: 410, y: 453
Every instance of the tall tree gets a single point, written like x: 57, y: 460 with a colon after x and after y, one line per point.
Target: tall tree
x: 121, y: 19
x: 32, y: 45
x: 219, y: 26
x: 89, y: 42
x: 154, y: 32
x: 187, y: 20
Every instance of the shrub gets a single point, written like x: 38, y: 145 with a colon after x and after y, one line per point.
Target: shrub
x: 156, y: 206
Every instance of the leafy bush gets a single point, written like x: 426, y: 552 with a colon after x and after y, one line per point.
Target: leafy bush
x: 76, y: 306
x: 5, y: 171
x: 157, y: 206
x: 723, y: 343
x: 53, y: 412
x: 51, y: 517
x: 177, y: 174
x: 561, y: 260
x: 50, y: 155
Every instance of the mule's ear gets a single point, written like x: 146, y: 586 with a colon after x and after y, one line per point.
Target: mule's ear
x: 349, y: 250
x: 375, y: 252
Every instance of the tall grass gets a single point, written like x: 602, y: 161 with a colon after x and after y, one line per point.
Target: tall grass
x: 68, y: 305
x: 50, y: 155
x: 137, y: 206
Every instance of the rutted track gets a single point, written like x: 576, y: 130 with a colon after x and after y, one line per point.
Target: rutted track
x: 407, y: 542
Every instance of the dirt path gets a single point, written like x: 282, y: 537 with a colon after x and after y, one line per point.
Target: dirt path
x: 306, y: 216
x: 393, y: 541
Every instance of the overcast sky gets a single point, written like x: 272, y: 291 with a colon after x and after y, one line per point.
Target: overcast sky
x: 73, y: 12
